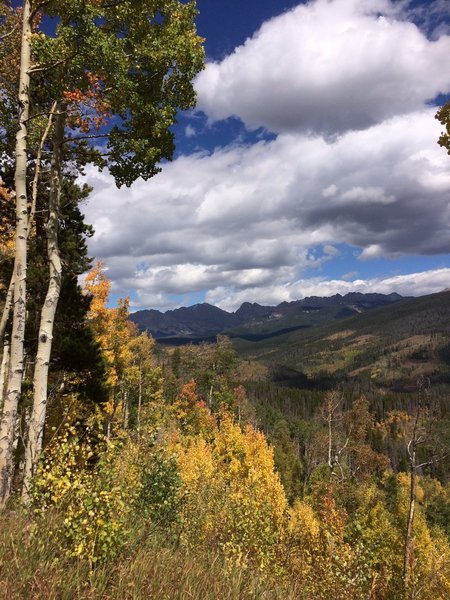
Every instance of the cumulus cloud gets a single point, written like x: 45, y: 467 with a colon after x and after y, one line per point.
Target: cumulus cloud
x: 343, y: 85
x: 414, y: 284
x: 246, y: 218
x: 329, y: 66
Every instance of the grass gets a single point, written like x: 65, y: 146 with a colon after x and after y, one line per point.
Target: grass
x: 31, y: 568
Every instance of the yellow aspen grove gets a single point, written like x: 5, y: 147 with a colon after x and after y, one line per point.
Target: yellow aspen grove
x: 114, y: 332
x: 233, y: 497
x: 143, y: 377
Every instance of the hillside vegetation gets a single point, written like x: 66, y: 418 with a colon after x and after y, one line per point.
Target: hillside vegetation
x: 392, y: 346
x: 182, y: 482
x: 310, y: 466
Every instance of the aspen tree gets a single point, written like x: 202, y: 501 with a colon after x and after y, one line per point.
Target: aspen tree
x: 14, y: 388
x: 118, y: 72
x: 48, y: 313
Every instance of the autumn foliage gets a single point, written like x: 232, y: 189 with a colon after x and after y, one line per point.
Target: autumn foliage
x: 174, y: 463
x: 87, y: 108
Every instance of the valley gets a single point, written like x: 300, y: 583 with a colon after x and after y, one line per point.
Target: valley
x: 388, y: 342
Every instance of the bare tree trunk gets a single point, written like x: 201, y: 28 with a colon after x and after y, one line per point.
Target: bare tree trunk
x: 139, y: 402
x: 4, y: 369
x: 9, y: 414
x: 48, y: 313
x: 330, y: 442
x: 407, y: 571
x: 211, y: 389
x: 417, y: 438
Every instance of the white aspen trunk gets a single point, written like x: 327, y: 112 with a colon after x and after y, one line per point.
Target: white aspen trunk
x: 7, y: 308
x: 408, y: 571
x: 211, y: 389
x: 48, y: 313
x: 4, y: 370
x: 9, y: 414
x: 108, y: 428
x: 37, y: 171
x: 110, y: 417
x: 126, y: 410
x: 10, y: 293
x: 139, y: 401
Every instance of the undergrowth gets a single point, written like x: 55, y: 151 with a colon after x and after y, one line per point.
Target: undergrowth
x: 32, y: 567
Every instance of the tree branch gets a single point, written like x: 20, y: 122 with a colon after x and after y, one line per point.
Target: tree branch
x: 5, y: 35
x: 44, y: 114
x: 48, y: 67
x: 432, y: 461
x: 86, y: 137
x: 37, y: 171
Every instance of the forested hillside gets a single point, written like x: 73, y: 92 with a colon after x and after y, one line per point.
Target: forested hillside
x: 390, y: 355
x: 389, y: 346
x: 178, y: 467
x: 301, y: 457
x: 180, y: 462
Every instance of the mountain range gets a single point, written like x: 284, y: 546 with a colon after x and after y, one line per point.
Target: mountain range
x: 254, y: 321
x: 392, y: 346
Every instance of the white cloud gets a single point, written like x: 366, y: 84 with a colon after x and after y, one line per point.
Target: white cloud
x: 349, y: 276
x: 330, y: 191
x: 245, y: 218
x: 330, y: 250
x: 343, y: 84
x: 327, y: 66
x: 414, y: 284
x: 371, y: 195
x: 189, y: 131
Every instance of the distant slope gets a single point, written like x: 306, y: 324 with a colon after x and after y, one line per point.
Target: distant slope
x: 392, y: 345
x: 254, y: 321
x: 197, y: 320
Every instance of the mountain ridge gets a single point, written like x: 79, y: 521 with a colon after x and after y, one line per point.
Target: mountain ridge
x: 392, y: 347
x: 205, y: 320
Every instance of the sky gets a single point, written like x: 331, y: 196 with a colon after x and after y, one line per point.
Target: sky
x: 310, y: 165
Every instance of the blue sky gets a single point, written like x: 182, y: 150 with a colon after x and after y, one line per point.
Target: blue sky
x: 309, y: 167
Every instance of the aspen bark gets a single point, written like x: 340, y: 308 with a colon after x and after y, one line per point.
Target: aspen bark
x: 408, y: 571
x: 4, y: 370
x: 9, y: 413
x: 126, y: 410
x: 7, y: 308
x: 48, y: 313
x: 330, y: 442
x: 409, y: 524
x: 408, y: 564
x: 139, y: 401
